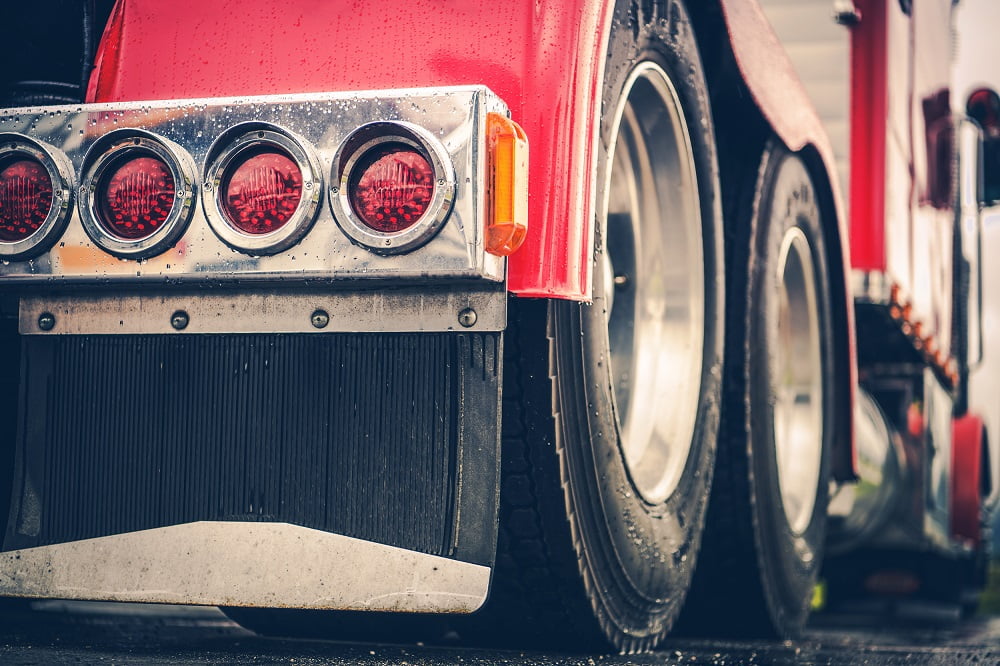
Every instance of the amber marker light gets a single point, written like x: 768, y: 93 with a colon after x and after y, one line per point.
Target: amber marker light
x: 507, y: 223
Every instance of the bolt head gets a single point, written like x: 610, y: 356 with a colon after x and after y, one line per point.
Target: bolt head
x: 467, y: 317
x: 320, y: 318
x: 179, y: 320
x: 46, y: 321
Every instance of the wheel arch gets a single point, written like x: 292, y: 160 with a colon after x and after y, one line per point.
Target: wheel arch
x: 755, y: 93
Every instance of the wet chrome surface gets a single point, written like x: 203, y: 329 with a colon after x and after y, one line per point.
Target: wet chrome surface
x: 60, y: 171
x: 453, y: 116
x: 654, y: 283
x: 102, y: 158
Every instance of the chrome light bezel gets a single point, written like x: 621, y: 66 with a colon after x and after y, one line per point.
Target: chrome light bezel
x: 60, y: 172
x: 353, y: 149
x: 229, y: 147
x: 110, y: 150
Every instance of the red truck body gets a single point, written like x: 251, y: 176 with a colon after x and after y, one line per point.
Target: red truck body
x: 873, y: 281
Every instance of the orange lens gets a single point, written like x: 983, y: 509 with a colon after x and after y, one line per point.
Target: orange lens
x: 508, y: 185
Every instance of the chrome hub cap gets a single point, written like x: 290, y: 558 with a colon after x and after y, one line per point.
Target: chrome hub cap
x: 797, y: 373
x: 654, y: 283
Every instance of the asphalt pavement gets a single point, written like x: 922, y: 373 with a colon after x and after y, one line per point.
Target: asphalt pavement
x: 55, y: 632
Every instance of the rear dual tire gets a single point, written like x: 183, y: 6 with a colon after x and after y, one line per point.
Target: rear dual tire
x: 766, y: 522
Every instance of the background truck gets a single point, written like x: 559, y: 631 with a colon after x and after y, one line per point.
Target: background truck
x: 293, y: 319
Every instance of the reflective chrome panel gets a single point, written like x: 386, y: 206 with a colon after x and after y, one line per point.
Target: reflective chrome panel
x: 455, y: 117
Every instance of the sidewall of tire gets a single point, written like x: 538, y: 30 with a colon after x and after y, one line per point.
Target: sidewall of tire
x: 637, y: 557
x: 789, y: 562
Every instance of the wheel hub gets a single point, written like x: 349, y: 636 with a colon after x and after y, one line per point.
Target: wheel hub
x: 797, y: 373
x: 654, y: 283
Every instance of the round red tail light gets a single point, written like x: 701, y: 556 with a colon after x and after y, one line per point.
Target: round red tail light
x: 391, y: 188
x: 25, y: 197
x: 36, y: 185
x: 395, y: 186
x: 261, y: 190
x: 137, y: 191
x: 135, y: 196
x: 267, y: 184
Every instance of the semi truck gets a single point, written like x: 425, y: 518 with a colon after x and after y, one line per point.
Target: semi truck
x: 563, y: 322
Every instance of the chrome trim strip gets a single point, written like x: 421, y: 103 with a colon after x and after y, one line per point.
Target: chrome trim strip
x: 60, y: 172
x: 871, y: 287
x: 276, y: 311
x: 246, y: 564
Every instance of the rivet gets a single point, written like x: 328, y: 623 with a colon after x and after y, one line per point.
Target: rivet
x: 467, y: 317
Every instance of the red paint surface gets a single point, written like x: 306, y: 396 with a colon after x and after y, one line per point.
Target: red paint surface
x: 869, y: 107
x: 966, y: 477
x: 543, y: 57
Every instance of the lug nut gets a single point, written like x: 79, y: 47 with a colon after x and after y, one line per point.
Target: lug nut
x: 46, y: 321
x: 467, y: 317
x: 320, y: 318
x: 179, y: 320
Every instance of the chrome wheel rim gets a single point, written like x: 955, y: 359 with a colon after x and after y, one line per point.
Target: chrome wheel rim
x: 654, y: 283
x: 797, y: 376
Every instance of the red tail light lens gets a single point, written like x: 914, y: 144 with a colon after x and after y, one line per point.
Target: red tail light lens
x: 395, y: 186
x: 261, y: 191
x: 267, y: 184
x: 135, y: 196
x: 25, y: 198
x: 391, y: 188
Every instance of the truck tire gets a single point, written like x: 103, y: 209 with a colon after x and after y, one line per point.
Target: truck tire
x: 767, y: 515
x: 611, y: 408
